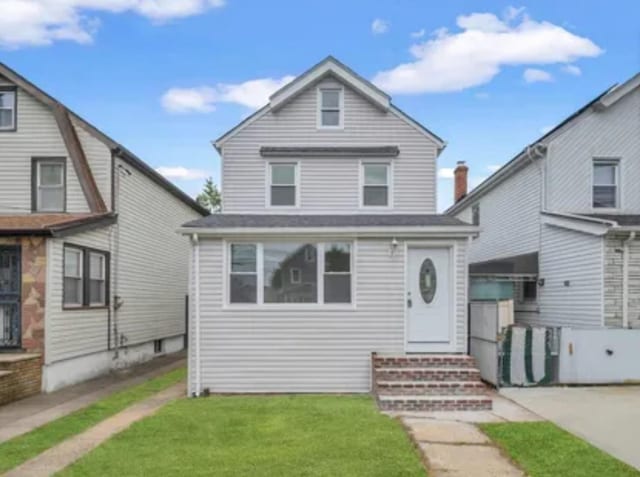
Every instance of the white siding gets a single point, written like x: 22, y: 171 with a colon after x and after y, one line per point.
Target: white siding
x: 71, y: 333
x: 577, y: 259
x: 37, y: 135
x: 315, y: 350
x: 99, y: 158
x: 612, y: 133
x: 329, y: 185
x: 509, y: 217
x: 151, y: 259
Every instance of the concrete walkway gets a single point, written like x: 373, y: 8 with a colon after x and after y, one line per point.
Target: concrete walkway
x: 58, y: 457
x: 27, y: 414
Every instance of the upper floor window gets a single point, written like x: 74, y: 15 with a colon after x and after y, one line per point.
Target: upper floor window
x: 375, y: 185
x: 48, y: 185
x: 7, y: 109
x: 605, y: 183
x: 331, y: 108
x: 475, y: 214
x: 283, y: 180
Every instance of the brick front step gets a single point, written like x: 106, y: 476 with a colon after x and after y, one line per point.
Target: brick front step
x: 435, y: 403
x: 427, y: 374
x: 430, y: 388
x: 20, y: 376
x: 424, y: 361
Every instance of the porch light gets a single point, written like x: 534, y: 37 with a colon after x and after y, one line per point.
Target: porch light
x: 393, y: 247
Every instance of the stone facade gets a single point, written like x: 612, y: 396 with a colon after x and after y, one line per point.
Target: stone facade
x: 613, y: 281
x: 33, y: 267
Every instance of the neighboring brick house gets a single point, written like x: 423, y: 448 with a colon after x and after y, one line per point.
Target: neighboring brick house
x: 92, y: 274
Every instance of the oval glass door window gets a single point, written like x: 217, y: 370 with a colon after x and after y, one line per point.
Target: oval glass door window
x: 428, y: 280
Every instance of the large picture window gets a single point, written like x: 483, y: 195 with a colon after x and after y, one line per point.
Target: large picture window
x: 290, y: 273
x: 86, y: 277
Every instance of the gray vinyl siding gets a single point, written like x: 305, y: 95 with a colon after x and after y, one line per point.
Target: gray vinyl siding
x: 151, y: 259
x: 575, y: 258
x: 612, y: 133
x: 329, y: 185
x: 99, y: 157
x: 310, y: 350
x: 613, y: 282
x: 72, y: 333
x: 37, y: 135
x: 509, y: 217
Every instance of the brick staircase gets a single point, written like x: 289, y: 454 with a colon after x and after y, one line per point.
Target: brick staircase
x: 428, y: 382
x: 20, y: 376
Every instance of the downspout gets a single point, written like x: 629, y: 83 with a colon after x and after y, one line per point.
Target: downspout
x: 625, y: 279
x: 196, y: 324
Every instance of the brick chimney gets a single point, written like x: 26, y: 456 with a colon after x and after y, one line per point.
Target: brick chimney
x: 460, y: 177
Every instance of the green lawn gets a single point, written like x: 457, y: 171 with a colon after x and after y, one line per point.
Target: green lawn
x: 542, y: 449
x: 26, y: 446
x: 259, y: 436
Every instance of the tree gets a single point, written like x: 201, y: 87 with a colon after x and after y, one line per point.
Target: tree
x: 210, y: 196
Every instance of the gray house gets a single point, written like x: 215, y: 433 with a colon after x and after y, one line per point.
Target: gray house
x: 559, y: 227
x: 92, y: 274
x: 327, y: 250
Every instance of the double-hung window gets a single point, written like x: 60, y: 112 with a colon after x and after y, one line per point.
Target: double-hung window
x: 7, y: 109
x: 86, y: 277
x: 605, y: 183
x: 48, y: 188
x: 283, y: 178
x: 330, y: 114
x: 290, y: 273
x: 375, y: 184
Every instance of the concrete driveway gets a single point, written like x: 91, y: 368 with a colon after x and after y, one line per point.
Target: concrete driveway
x: 606, y: 416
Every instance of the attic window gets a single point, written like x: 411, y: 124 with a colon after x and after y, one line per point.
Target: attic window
x: 7, y: 109
x: 331, y: 108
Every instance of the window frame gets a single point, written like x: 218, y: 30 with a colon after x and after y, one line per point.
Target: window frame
x: 325, y: 272
x: 80, y: 251
x: 14, y: 90
x: 321, y: 109
x: 36, y: 162
x: 260, y: 303
x: 389, y: 184
x: 606, y: 161
x: 270, y: 185
x: 86, y: 277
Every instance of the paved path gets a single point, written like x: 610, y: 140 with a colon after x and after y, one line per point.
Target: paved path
x: 606, y: 416
x: 25, y: 415
x: 58, y: 457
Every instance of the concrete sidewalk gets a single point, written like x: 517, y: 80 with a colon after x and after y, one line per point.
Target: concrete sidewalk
x: 27, y: 414
x: 66, y: 453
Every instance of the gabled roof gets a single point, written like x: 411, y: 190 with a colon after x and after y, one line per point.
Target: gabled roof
x: 64, y: 118
x: 52, y: 224
x: 539, y: 146
x: 330, y: 66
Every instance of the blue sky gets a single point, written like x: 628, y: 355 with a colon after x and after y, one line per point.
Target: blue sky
x: 165, y: 77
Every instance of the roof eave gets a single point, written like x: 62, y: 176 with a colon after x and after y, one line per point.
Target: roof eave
x: 417, y: 231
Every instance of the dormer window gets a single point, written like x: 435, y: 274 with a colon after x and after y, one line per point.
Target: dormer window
x: 49, y: 184
x: 330, y: 114
x: 7, y: 109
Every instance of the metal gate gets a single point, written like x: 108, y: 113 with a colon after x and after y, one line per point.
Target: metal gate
x: 10, y: 281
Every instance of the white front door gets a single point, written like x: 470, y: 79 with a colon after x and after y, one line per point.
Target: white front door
x: 430, y: 317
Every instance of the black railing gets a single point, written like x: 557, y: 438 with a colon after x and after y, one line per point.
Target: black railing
x: 9, y: 325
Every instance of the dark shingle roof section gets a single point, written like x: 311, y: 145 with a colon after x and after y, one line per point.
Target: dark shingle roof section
x: 314, y: 221
x: 362, y: 151
x: 622, y: 219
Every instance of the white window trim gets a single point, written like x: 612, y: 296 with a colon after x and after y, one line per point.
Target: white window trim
x: 615, y: 161
x: 268, y: 184
x: 361, y: 185
x: 320, y: 305
x: 295, y: 281
x: 46, y: 161
x: 103, y: 259
x: 319, y: 107
x: 13, y: 108
x: 80, y: 253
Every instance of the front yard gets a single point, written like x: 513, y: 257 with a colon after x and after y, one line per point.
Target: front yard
x: 259, y: 436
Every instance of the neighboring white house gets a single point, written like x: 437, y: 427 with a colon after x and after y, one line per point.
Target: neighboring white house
x: 559, y: 222
x: 328, y: 247
x: 92, y: 274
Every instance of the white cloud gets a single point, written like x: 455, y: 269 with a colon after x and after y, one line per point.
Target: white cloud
x: 379, y: 26
x: 252, y: 94
x: 42, y: 22
x: 453, y: 61
x: 446, y: 172
x: 535, y: 75
x: 183, y: 173
x: 493, y: 167
x: 418, y: 34
x: 572, y: 70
